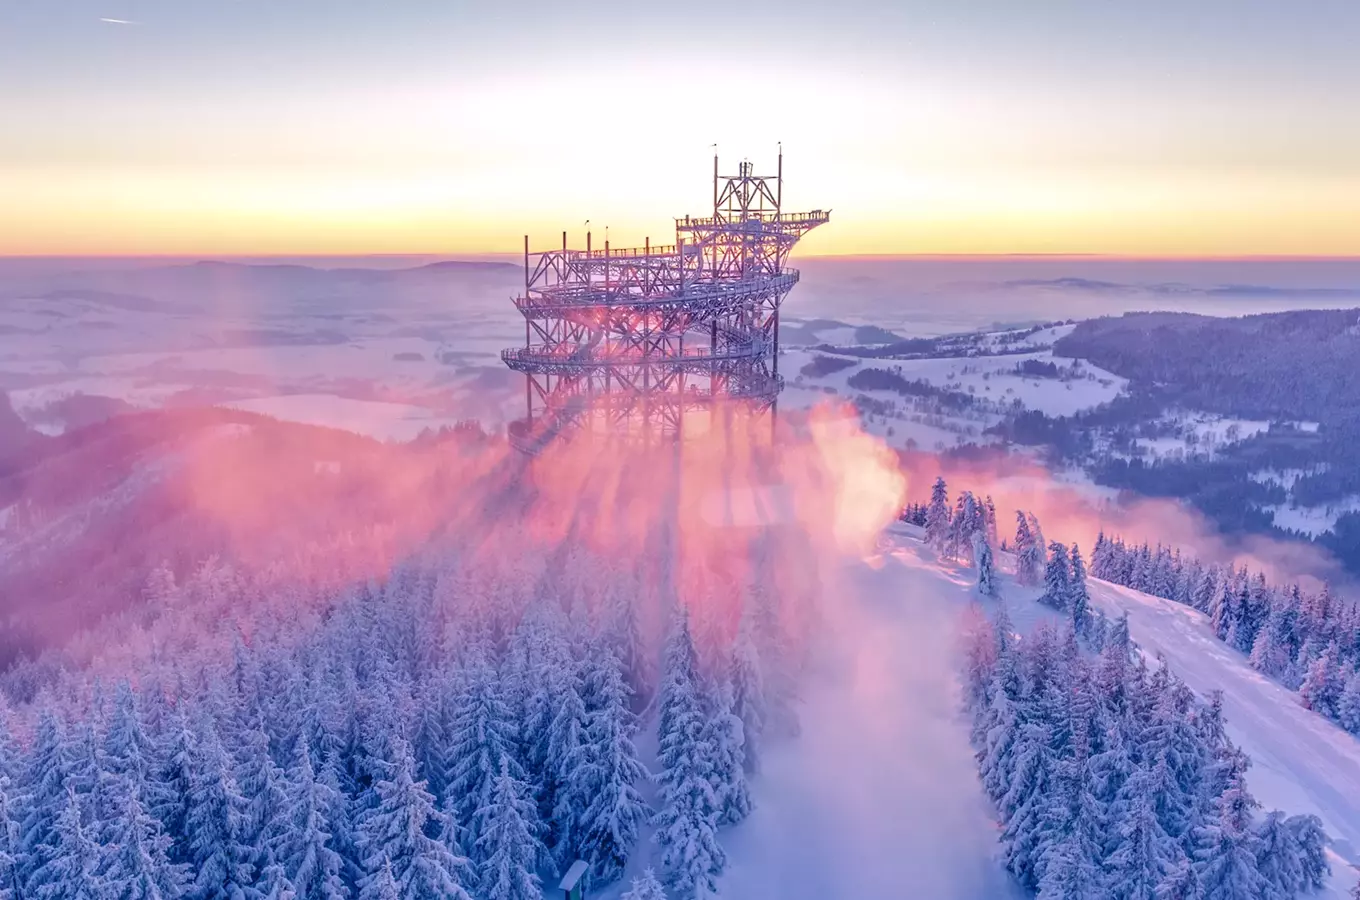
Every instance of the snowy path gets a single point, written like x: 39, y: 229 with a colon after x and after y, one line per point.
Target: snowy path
x: 1301, y: 762
x: 878, y: 796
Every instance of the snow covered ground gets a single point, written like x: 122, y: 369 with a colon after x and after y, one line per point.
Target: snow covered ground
x: 1302, y: 763
x: 878, y: 797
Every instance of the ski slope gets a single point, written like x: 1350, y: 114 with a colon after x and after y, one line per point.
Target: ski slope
x: 1301, y: 763
x: 878, y: 797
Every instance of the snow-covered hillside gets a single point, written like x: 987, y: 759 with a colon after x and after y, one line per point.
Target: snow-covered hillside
x: 1302, y: 763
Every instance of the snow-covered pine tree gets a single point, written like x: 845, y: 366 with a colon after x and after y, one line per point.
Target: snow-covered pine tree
x: 987, y: 584
x: 1226, y: 857
x: 509, y: 848
x: 42, y: 794
x: 215, y: 823
x: 1311, y: 842
x: 274, y: 884
x: 1028, y: 563
x: 1144, y: 854
x: 687, y: 823
x: 722, y: 732
x: 748, y: 688
x: 989, y: 510
x: 609, y: 825
x: 1057, y: 579
x: 383, y: 885
x: 1278, y: 857
x: 137, y: 865
x: 262, y: 784
x: 10, y: 880
x: 566, y: 768
x: 1079, y: 600
x: 310, y: 862
x: 646, y: 887
x: 69, y: 870
x: 937, y: 516
x: 394, y: 833
x: 1323, y: 687
x: 481, y: 733
x: 1037, y: 530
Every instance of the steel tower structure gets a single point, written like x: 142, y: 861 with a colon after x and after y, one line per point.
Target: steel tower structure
x: 635, y: 341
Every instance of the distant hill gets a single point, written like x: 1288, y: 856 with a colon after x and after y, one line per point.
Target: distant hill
x: 1288, y: 365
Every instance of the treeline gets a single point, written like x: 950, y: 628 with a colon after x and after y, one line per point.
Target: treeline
x: 1111, y: 780
x: 429, y: 739
x: 884, y: 380
x: 1307, y: 640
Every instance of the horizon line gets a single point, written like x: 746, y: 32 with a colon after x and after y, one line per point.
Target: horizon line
x: 866, y: 257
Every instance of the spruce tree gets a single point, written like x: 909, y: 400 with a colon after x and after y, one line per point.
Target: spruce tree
x: 509, y: 848
x: 646, y: 887
x: 10, y: 879
x: 722, y: 733
x: 481, y: 733
x: 139, y: 866
x: 215, y: 824
x: 305, y: 851
x: 567, y: 769
x: 1057, y: 579
x: 987, y: 584
x: 274, y: 884
x: 69, y: 870
x: 687, y: 822
x: 393, y: 833
x: 610, y: 823
x: 937, y: 516
x: 1079, y: 600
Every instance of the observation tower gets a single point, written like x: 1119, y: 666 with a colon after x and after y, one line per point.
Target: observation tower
x: 649, y: 341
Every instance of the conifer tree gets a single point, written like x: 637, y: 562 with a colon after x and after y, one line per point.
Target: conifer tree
x: 722, y: 733
x: 1312, y: 848
x: 687, y: 822
x: 748, y: 688
x: 1079, y: 600
x: 10, y: 880
x: 43, y: 793
x: 990, y: 527
x: 646, y: 887
x: 309, y: 861
x: 481, y: 733
x: 274, y: 884
x: 215, y: 824
x: 1028, y: 562
x: 567, y: 771
x: 1057, y: 578
x: 1227, y: 852
x: 393, y: 833
x: 987, y: 584
x: 69, y: 870
x: 509, y: 848
x: 610, y: 823
x: 937, y: 516
x: 139, y: 866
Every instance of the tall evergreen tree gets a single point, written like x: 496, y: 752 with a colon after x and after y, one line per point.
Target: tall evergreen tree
x: 69, y: 870
x: 1079, y: 600
x: 138, y: 866
x: 394, y: 833
x: 308, y: 858
x: 215, y: 824
x: 687, y: 822
x: 509, y: 847
x: 937, y: 516
x: 646, y: 887
x: 610, y: 823
x: 1057, y: 578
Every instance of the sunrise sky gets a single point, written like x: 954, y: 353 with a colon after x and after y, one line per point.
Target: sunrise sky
x: 1157, y: 128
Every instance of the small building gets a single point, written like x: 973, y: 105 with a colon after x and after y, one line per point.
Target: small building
x: 572, y: 886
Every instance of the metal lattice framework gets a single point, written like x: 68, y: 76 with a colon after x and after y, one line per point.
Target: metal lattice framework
x: 636, y: 341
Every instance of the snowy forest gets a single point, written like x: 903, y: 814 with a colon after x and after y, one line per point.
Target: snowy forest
x: 1309, y: 641
x: 442, y: 734
x: 1109, y: 777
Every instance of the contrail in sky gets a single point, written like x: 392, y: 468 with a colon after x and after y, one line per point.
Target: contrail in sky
x: 117, y: 21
